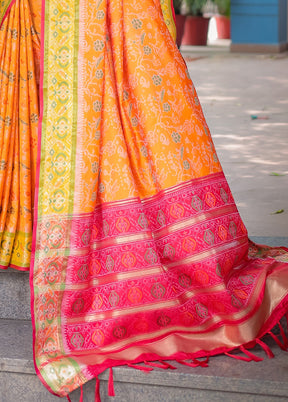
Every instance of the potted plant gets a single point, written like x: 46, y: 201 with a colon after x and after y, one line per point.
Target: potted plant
x: 179, y: 20
x: 196, y: 26
x: 223, y: 19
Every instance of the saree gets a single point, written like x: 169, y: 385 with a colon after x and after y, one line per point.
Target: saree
x: 139, y: 253
x: 19, y: 112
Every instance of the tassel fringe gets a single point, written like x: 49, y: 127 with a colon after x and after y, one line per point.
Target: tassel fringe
x: 281, y: 346
x: 244, y: 359
x: 202, y: 363
x: 249, y: 356
x: 169, y: 366
x: 111, y: 391
x: 266, y: 348
x: 97, y: 391
x: 163, y: 365
x: 146, y: 369
x: 284, y: 337
x: 195, y: 362
x: 81, y: 395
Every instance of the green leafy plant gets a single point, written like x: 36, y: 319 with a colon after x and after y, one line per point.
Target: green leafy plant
x: 223, y: 7
x: 177, y: 4
x: 194, y: 7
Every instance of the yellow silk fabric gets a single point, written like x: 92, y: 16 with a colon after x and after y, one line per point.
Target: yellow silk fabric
x: 4, y: 7
x: 166, y: 6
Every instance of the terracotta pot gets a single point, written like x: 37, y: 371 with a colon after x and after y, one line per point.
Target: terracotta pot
x: 180, y: 24
x: 195, y: 31
x: 223, y: 27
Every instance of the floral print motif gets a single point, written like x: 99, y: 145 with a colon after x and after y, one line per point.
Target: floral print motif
x: 19, y: 49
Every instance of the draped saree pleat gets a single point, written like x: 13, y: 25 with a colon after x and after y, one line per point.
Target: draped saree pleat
x: 139, y: 252
x: 18, y: 135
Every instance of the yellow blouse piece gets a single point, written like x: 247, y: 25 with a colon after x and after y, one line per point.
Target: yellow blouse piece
x: 167, y: 11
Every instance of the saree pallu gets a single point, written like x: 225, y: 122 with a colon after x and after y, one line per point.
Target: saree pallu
x: 139, y: 252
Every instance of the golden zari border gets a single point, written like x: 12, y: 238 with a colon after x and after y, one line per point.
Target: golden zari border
x: 187, y: 223
x: 181, y: 299
x: 181, y: 338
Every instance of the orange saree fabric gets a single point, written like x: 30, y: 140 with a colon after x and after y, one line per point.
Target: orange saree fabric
x: 139, y: 252
x: 19, y: 114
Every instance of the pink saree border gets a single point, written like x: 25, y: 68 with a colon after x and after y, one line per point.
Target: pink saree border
x: 173, y: 12
x: 96, y: 370
x: 17, y: 267
x: 7, y: 12
x: 276, y: 314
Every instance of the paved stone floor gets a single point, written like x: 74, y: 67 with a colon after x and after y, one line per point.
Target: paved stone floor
x: 253, y: 151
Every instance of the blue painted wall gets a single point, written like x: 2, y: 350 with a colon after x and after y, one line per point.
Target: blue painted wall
x: 259, y: 21
x: 283, y: 5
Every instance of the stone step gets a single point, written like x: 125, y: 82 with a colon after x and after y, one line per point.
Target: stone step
x: 15, y: 295
x: 235, y: 380
x: 15, y: 291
